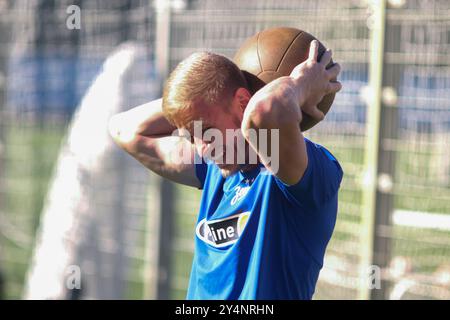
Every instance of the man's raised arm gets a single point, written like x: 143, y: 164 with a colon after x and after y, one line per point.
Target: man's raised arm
x: 146, y: 134
x: 279, y: 106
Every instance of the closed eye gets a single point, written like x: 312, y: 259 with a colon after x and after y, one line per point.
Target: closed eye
x: 204, y: 130
x: 191, y: 136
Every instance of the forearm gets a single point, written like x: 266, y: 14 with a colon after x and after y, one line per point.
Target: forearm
x: 146, y: 120
x: 278, y: 111
x: 152, y: 122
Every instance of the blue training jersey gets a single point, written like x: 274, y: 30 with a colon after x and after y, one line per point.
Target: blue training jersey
x: 258, y: 238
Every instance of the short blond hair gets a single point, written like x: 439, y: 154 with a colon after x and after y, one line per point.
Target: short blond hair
x: 203, y: 76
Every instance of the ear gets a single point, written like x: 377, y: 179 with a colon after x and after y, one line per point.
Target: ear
x: 241, y: 98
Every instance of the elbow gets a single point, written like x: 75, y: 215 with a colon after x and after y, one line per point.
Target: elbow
x: 269, y: 113
x: 259, y: 114
x: 113, y: 129
x: 121, y: 134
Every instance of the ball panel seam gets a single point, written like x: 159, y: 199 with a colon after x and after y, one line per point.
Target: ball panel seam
x: 257, y: 52
x: 287, y: 49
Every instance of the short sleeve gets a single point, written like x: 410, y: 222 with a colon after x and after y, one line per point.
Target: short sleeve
x: 321, y: 179
x: 201, y: 168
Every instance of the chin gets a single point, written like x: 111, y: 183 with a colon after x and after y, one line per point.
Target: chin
x: 227, y: 171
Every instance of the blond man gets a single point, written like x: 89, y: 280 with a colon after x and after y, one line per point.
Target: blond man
x: 264, y: 224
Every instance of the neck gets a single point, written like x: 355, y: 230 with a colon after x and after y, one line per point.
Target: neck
x: 249, y: 167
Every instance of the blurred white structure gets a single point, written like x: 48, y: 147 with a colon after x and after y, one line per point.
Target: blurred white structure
x: 86, y: 221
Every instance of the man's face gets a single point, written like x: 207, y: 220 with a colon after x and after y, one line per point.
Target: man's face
x: 219, y: 118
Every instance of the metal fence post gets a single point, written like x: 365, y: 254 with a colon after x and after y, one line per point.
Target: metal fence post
x: 377, y: 25
x: 159, y: 287
x: 382, y: 123
x: 388, y: 133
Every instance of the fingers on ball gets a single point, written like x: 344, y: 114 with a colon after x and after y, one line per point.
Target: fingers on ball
x: 334, y: 86
x: 334, y: 71
x: 326, y: 57
x: 318, y: 114
x: 314, y: 50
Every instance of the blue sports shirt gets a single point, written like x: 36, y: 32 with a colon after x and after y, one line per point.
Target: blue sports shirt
x: 258, y: 238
